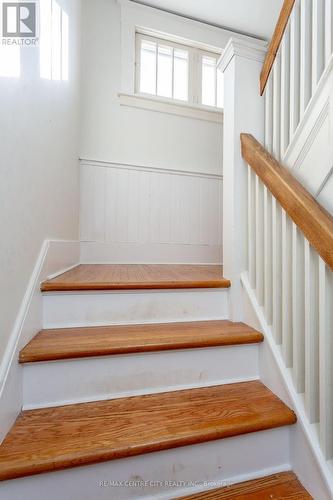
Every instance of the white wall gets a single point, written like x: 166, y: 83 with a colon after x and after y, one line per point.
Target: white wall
x: 115, y: 133
x: 124, y: 136
x: 38, y: 169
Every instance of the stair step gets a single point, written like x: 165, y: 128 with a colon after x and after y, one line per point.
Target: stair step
x: 68, y: 436
x: 67, y: 343
x: 123, y: 307
x: 284, y: 486
x: 136, y: 277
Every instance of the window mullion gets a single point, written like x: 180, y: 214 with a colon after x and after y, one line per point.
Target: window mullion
x: 199, y: 76
x: 215, y: 77
x: 193, y: 76
x: 173, y: 73
x: 156, y: 65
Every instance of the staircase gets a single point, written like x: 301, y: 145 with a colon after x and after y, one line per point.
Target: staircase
x: 146, y: 409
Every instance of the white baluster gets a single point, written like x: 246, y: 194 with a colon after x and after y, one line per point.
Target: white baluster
x: 294, y: 68
x: 328, y: 30
x: 259, y: 226
x: 287, y: 341
x: 268, y: 291
x: 285, y: 90
x: 251, y: 227
x: 298, y: 311
x: 306, y: 51
x: 311, y: 288
x: 269, y: 115
x: 277, y: 107
x: 276, y: 269
x: 268, y: 299
x: 318, y: 41
x: 326, y: 358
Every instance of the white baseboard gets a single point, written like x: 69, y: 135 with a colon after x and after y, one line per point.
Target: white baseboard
x: 54, y: 256
x: 150, y: 253
x: 307, y: 459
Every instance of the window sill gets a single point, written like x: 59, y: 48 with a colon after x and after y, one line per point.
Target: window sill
x: 161, y: 105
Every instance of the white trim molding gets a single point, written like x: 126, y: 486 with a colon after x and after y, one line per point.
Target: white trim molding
x: 249, y: 49
x: 146, y: 168
x: 158, y: 104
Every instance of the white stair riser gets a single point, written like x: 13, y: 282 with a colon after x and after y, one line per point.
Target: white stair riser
x: 88, y: 379
x: 149, y: 306
x: 233, y: 459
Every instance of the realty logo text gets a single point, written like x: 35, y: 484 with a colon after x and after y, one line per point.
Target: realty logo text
x: 19, y: 23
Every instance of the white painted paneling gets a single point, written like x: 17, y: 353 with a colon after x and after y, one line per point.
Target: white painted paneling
x: 134, y: 374
x: 325, y: 198
x: 318, y: 154
x: 140, y: 211
x: 310, y: 153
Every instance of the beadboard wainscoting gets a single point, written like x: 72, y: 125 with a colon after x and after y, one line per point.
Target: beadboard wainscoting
x: 142, y: 214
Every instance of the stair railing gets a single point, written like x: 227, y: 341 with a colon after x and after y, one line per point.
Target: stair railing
x: 299, y: 53
x: 290, y: 236
x: 290, y: 263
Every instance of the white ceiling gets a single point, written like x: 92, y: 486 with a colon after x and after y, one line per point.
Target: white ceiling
x: 253, y: 17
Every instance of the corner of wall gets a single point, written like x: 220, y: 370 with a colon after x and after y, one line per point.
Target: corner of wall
x: 55, y: 256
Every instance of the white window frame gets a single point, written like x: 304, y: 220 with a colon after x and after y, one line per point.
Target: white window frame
x: 194, y: 71
x: 201, y: 54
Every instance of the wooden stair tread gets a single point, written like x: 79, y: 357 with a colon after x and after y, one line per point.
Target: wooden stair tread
x: 66, y: 343
x: 62, y: 437
x: 284, y: 485
x: 136, y: 277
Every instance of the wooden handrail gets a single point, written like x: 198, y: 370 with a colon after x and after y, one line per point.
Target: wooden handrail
x: 311, y: 218
x: 275, y: 42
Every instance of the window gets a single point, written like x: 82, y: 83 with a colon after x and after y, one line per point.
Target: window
x: 54, y: 44
x: 179, y: 72
x: 211, y: 81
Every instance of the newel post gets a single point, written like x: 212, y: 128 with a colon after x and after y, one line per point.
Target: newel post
x: 241, y: 64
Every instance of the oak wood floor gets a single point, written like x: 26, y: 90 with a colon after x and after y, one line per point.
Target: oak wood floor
x: 57, y: 438
x: 137, y: 276
x: 281, y: 486
x: 66, y: 343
